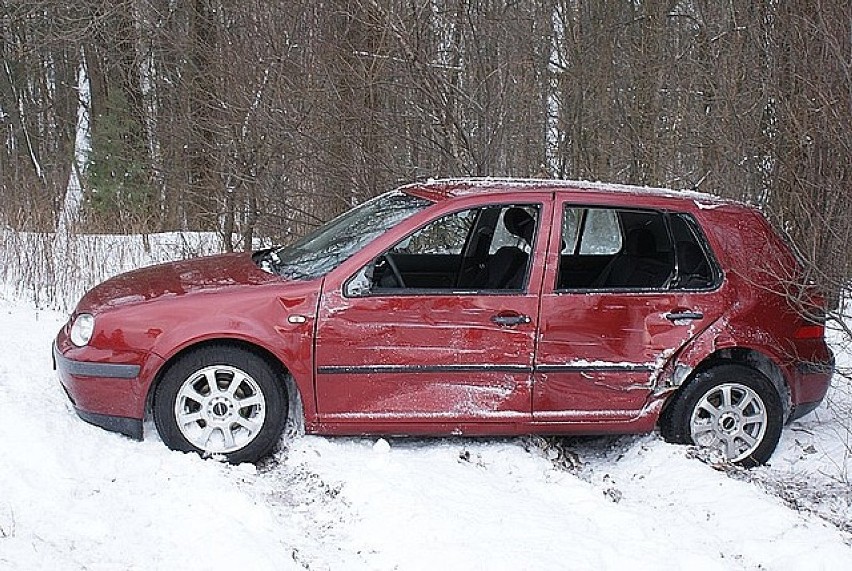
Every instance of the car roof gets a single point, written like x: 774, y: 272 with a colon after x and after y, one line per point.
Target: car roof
x: 443, y: 189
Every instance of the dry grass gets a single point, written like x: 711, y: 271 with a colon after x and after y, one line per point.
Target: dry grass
x: 54, y: 271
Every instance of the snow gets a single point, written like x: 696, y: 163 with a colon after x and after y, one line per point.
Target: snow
x: 703, y: 206
x: 75, y: 497
x: 706, y: 199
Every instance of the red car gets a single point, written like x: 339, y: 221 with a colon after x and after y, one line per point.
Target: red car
x: 466, y: 307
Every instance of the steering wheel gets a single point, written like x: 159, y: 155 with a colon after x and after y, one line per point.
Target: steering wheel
x: 395, y: 269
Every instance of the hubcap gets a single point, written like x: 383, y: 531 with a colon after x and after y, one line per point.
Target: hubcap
x: 731, y: 418
x: 220, y: 409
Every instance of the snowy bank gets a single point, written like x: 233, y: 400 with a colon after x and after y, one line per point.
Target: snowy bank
x: 75, y: 497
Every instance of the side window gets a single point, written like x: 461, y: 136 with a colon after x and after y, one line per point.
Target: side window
x: 506, y: 237
x: 444, y: 236
x: 571, y: 228
x: 615, y: 249
x: 485, y: 248
x: 694, y: 270
x: 601, y: 233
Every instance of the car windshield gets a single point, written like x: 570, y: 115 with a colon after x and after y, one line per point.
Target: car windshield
x: 331, y: 244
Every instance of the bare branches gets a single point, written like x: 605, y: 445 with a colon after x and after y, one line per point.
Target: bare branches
x: 260, y: 118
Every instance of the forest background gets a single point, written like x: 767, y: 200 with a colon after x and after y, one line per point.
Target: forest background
x: 261, y: 119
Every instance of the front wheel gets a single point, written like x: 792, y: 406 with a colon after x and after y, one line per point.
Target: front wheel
x: 221, y: 399
x: 732, y: 408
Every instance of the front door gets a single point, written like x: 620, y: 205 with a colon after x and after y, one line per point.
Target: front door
x: 439, y: 330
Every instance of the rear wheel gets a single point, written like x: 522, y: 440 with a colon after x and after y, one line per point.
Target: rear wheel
x: 221, y: 399
x: 732, y: 408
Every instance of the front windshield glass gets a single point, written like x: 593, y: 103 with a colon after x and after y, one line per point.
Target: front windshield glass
x: 331, y: 244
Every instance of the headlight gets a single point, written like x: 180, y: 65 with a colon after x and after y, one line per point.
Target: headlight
x: 82, y: 329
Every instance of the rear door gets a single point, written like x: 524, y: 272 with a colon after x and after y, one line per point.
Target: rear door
x: 436, y: 346
x: 626, y: 288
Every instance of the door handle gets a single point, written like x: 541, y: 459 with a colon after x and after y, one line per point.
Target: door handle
x: 684, y: 315
x: 504, y: 320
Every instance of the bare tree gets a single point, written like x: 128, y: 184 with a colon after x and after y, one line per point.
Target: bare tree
x: 261, y: 119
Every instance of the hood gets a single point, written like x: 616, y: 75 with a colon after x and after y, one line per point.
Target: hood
x: 176, y: 279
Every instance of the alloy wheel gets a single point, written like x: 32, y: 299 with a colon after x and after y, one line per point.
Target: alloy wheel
x: 220, y: 409
x: 730, y: 417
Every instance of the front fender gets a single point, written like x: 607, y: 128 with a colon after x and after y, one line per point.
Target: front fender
x: 260, y: 320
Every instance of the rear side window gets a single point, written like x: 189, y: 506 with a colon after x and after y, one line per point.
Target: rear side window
x: 599, y: 227
x: 625, y: 249
x: 694, y: 266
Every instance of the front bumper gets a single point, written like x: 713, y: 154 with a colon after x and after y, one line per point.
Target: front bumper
x: 104, y: 394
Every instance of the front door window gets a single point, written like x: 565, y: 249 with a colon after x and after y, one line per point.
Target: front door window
x: 479, y: 249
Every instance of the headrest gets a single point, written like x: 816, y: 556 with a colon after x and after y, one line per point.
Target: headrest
x: 519, y: 223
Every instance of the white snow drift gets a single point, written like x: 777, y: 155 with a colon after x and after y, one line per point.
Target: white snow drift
x: 75, y: 497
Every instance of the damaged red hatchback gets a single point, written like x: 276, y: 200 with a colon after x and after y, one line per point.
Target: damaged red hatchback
x: 467, y: 307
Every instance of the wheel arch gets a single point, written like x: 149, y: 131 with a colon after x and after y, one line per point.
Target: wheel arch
x: 748, y: 357
x: 295, y: 413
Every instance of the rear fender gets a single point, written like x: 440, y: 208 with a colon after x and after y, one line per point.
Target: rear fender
x: 720, y: 343
x: 716, y: 336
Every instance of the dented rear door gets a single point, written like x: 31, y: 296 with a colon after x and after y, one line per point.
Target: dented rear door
x: 601, y: 349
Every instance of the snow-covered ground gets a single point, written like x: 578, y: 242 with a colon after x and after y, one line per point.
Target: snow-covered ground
x: 75, y: 497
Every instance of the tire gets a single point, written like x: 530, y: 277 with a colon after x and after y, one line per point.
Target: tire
x: 221, y: 399
x: 730, y: 407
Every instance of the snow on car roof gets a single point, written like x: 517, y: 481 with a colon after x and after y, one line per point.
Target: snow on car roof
x: 438, y: 189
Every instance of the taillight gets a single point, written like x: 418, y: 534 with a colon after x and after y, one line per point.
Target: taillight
x: 810, y: 331
x: 811, y: 309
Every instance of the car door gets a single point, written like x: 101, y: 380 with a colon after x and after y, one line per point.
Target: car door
x: 439, y: 354
x: 626, y: 288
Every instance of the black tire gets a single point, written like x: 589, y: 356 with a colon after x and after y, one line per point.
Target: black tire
x: 730, y: 428
x: 243, y: 419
